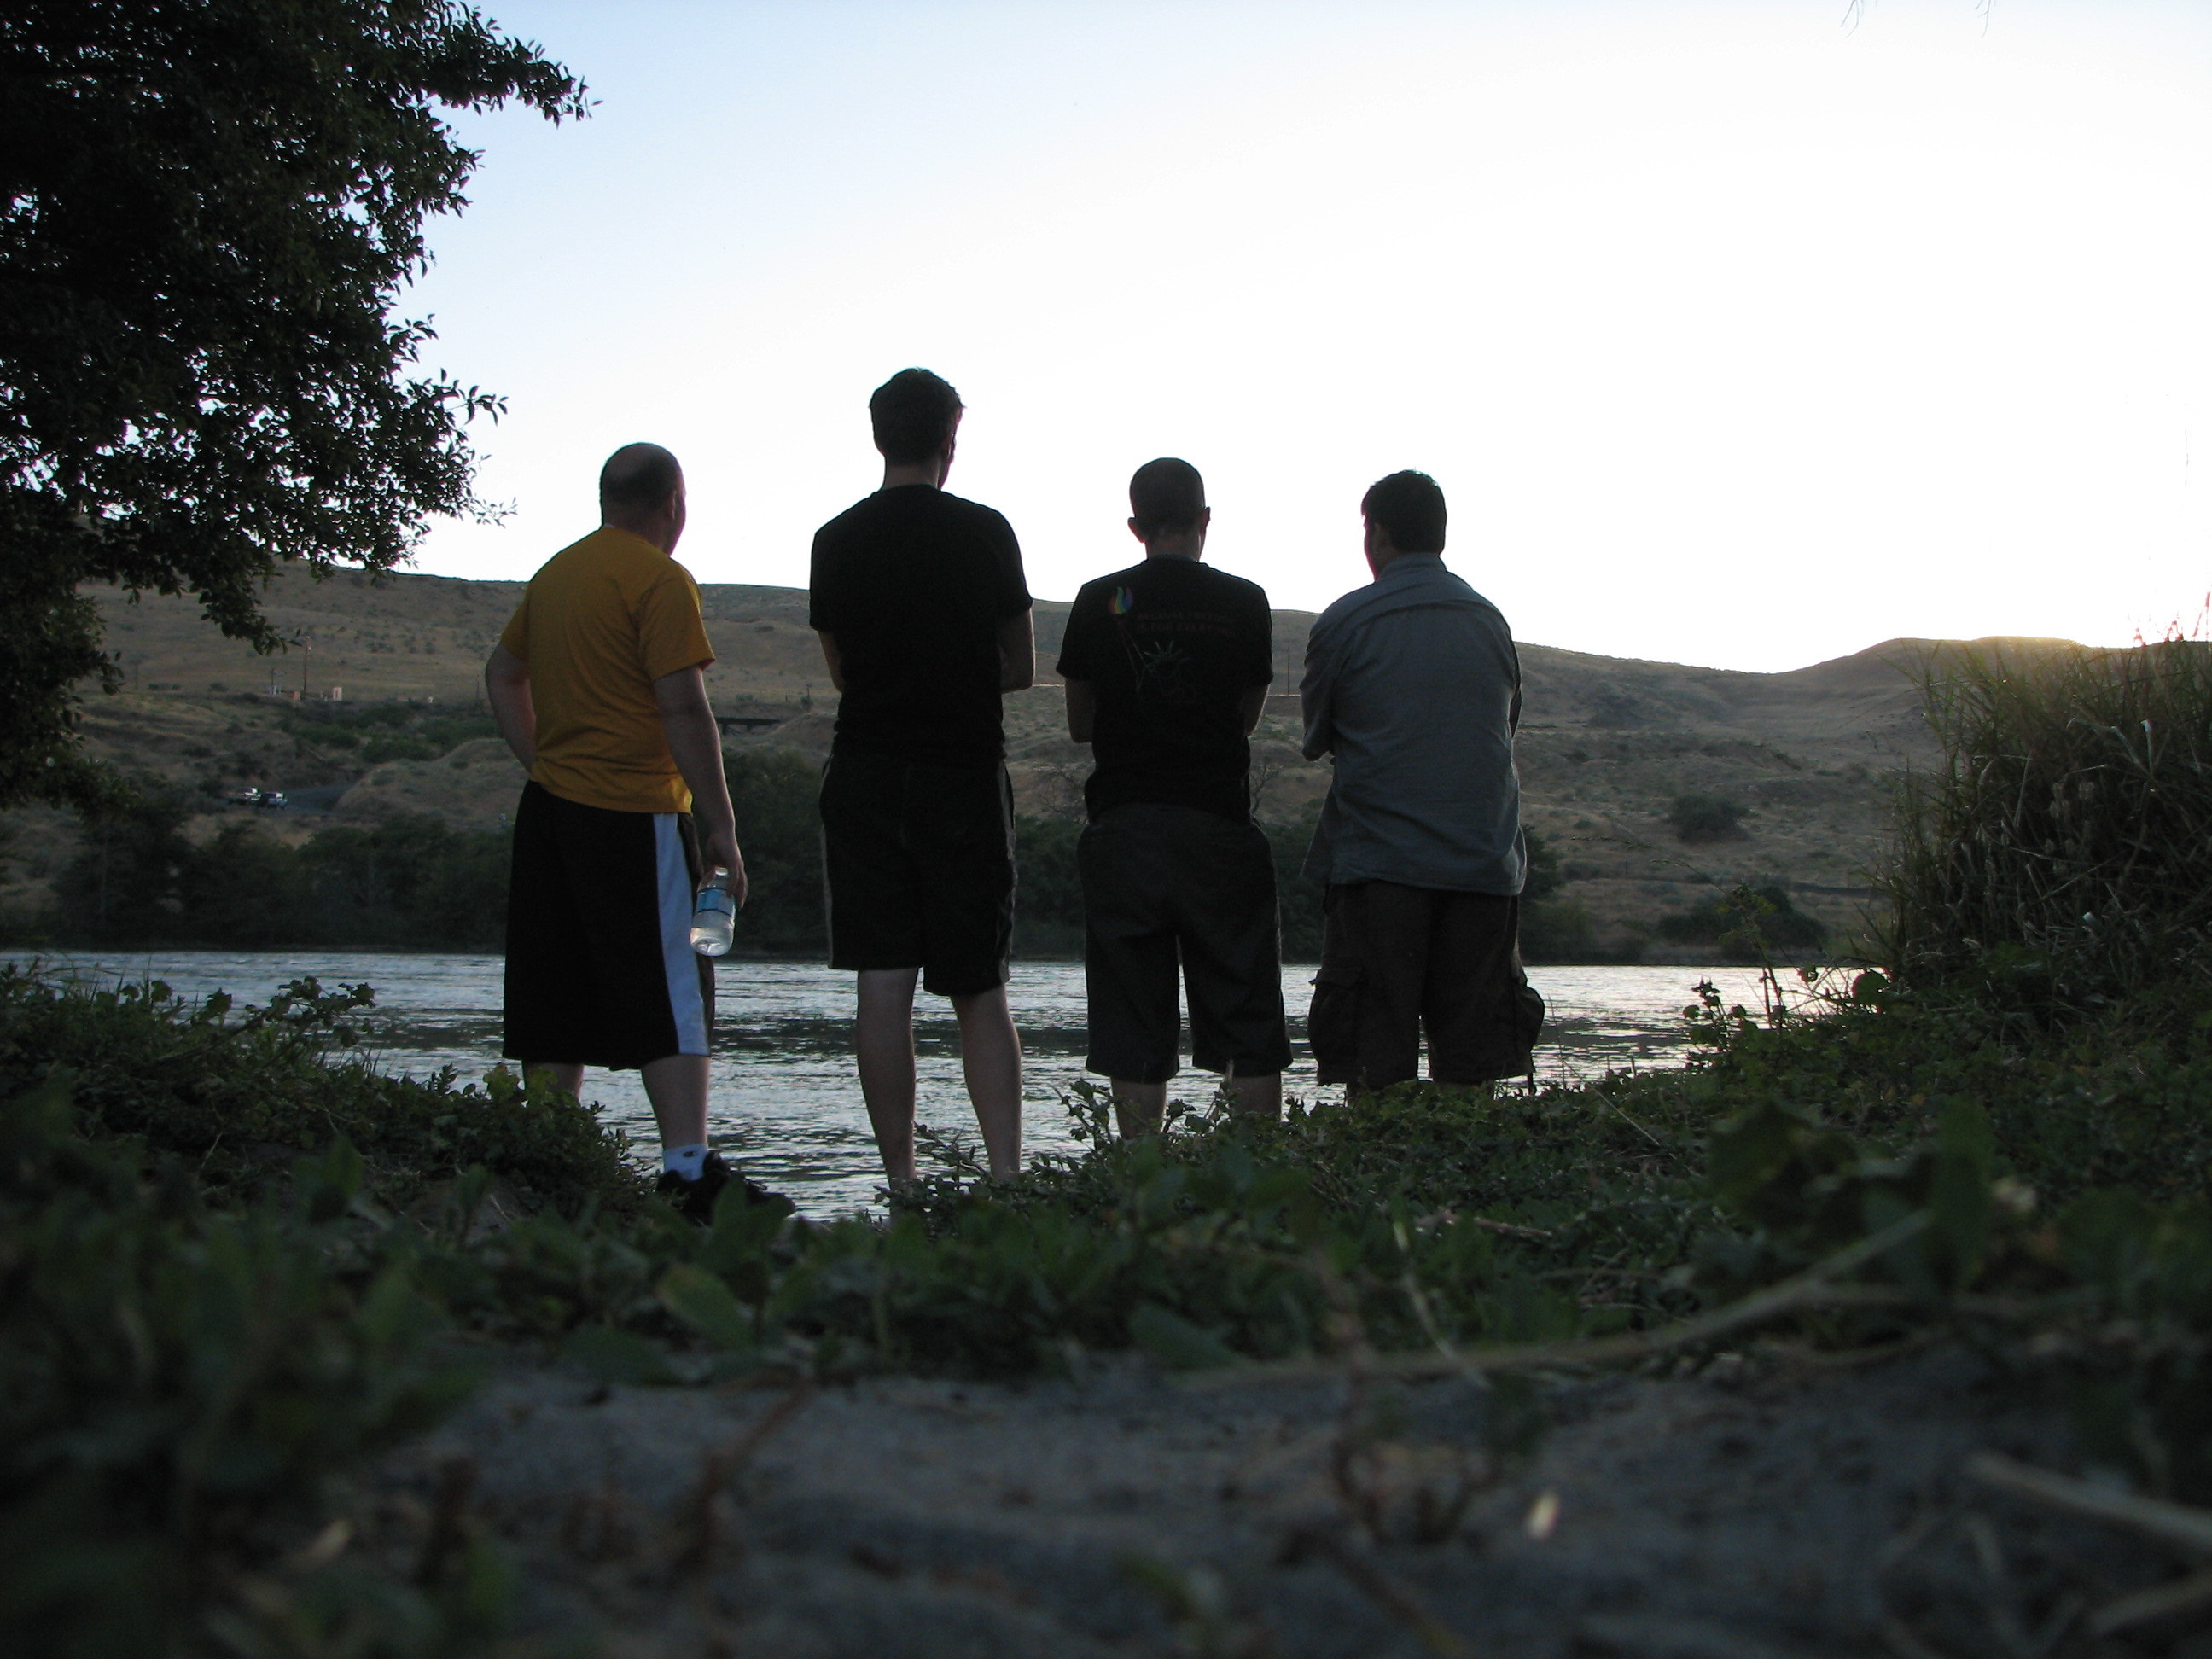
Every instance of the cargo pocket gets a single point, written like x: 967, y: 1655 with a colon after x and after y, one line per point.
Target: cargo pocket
x: 1333, y: 1024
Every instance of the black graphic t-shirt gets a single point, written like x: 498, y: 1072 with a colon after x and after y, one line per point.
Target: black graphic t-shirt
x: 912, y: 584
x: 1172, y: 647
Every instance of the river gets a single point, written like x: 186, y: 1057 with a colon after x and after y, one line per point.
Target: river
x: 785, y: 1103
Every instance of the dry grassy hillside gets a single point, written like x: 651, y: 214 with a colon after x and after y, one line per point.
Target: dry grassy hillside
x: 1607, y: 743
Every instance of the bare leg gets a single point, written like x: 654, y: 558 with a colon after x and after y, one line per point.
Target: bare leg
x: 991, y: 1060
x: 883, y: 1035
x: 1139, y: 1107
x: 1260, y: 1095
x: 677, y: 1087
x: 569, y: 1080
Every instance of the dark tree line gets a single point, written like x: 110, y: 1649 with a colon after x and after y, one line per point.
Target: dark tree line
x: 415, y: 883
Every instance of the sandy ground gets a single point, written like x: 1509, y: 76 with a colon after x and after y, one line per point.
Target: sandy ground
x: 1763, y: 1508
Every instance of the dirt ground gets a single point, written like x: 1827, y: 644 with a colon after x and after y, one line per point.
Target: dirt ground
x: 1766, y: 1507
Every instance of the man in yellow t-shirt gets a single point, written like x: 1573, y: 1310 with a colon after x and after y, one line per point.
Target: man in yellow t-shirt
x: 599, y: 688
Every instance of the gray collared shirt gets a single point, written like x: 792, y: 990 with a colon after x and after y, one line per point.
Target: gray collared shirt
x: 1413, y: 684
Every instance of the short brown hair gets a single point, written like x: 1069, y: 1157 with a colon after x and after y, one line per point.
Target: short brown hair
x: 914, y: 414
x: 1410, y: 507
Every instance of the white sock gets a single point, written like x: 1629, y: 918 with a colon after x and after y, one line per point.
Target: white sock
x: 686, y: 1161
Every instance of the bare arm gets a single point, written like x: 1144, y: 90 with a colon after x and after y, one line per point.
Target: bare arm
x: 507, y: 688
x: 1082, y: 710
x: 1253, y: 706
x: 829, y: 655
x: 1018, y: 652
x: 687, y: 720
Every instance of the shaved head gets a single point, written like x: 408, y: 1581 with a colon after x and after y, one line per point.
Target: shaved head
x: 637, y: 478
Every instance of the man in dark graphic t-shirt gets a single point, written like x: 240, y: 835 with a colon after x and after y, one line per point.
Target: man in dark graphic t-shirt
x: 924, y: 616
x: 1167, y: 666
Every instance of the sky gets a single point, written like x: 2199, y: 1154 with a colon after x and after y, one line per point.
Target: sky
x: 1747, y: 335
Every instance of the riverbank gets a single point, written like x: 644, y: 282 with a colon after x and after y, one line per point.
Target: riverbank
x: 1298, y: 1389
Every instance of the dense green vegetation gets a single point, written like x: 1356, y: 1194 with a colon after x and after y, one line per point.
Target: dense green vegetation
x: 1749, y: 923
x: 406, y: 882
x: 375, y: 733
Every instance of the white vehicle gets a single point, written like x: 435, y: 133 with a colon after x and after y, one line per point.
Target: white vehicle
x: 272, y: 798
x: 248, y: 796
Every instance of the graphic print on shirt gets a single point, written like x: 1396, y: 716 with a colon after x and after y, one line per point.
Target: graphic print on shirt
x: 1163, y: 671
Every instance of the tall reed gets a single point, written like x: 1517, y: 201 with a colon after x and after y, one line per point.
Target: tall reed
x: 2065, y: 846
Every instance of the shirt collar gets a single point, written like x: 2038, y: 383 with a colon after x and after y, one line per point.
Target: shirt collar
x: 1411, y: 564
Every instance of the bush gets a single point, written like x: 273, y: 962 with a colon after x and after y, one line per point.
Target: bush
x: 2064, y: 845
x: 241, y: 1093
x: 1751, y: 921
x: 1705, y: 817
x: 176, y: 1385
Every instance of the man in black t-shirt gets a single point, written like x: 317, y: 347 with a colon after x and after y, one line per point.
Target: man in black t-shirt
x: 1167, y: 666
x: 924, y: 616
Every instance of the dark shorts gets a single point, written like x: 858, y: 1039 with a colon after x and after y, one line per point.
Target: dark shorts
x: 600, y: 969
x: 919, y: 864
x: 1397, y: 962
x: 1163, y: 883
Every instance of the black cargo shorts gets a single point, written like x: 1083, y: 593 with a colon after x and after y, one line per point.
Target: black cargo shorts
x: 1165, y: 886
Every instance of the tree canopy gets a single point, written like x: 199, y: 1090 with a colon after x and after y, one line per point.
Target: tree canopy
x: 208, y: 209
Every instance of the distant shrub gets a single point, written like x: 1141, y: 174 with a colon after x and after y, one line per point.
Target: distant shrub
x: 1705, y: 817
x: 1750, y: 918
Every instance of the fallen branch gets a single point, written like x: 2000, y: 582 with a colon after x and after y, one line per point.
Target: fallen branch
x: 1810, y: 1289
x: 2187, y: 1528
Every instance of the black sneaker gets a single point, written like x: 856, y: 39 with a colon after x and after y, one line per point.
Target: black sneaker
x: 695, y: 1198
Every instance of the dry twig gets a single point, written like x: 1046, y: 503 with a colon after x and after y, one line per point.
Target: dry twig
x: 2187, y: 1528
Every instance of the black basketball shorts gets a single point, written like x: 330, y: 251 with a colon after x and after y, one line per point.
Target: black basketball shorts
x: 600, y: 969
x: 919, y: 862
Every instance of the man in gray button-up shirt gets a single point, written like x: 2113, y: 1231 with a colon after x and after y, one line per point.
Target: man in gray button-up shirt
x: 1412, y: 685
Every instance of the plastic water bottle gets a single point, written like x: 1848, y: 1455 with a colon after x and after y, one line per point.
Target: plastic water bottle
x: 714, y: 917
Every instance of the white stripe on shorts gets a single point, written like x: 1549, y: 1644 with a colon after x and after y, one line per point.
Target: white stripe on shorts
x: 677, y: 960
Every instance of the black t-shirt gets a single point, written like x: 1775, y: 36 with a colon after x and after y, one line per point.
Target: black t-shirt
x: 912, y: 584
x: 1170, y: 646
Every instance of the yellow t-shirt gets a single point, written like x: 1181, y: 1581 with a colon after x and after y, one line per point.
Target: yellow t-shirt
x: 600, y: 622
